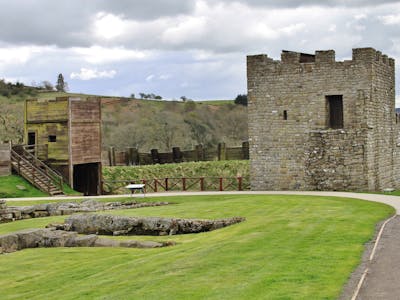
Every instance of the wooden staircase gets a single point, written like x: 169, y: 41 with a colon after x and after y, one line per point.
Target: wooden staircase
x: 36, y: 172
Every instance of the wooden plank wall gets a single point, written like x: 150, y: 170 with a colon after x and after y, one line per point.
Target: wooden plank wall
x: 46, y: 118
x: 131, y: 156
x: 85, y: 131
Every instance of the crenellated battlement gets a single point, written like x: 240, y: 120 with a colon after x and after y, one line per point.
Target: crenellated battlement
x: 359, y: 55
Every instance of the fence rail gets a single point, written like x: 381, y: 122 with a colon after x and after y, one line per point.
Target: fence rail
x: 131, y: 156
x: 156, y: 185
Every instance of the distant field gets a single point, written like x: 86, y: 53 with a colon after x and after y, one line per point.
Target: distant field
x: 216, y: 102
x: 289, y: 247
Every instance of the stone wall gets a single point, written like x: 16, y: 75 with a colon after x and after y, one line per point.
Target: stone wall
x: 292, y: 146
x: 5, y: 163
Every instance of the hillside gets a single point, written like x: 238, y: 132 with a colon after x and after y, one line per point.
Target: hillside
x: 144, y: 124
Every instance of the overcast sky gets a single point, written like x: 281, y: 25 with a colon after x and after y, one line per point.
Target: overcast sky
x: 174, y: 48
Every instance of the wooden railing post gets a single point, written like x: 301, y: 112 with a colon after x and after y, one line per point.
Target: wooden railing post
x: 166, y: 184
x: 240, y: 179
x: 221, y: 186
x: 184, y: 184
x: 201, y: 183
x: 155, y: 185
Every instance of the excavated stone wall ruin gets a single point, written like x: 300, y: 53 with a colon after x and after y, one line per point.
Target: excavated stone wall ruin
x: 121, y: 225
x: 14, y: 213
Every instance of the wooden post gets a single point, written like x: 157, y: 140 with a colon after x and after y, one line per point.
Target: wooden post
x: 155, y: 185
x: 111, y: 156
x: 127, y: 158
x: 154, y: 156
x: 129, y: 154
x: 201, y: 183
x: 199, y: 152
x: 145, y: 185
x: 221, y: 151
x: 184, y: 184
x: 176, y: 155
x: 135, y: 156
x: 245, y: 150
x: 166, y: 184
x: 240, y: 179
x: 221, y: 186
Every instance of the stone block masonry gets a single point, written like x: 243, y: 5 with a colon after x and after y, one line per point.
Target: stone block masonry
x: 320, y: 124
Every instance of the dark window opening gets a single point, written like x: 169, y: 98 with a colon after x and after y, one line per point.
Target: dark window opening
x: 335, y: 111
x: 285, y: 114
x: 31, y: 138
x: 52, y: 138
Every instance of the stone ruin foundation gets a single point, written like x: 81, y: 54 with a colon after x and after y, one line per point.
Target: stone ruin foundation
x: 118, y: 225
x: 68, y: 234
x: 50, y: 237
x: 14, y: 213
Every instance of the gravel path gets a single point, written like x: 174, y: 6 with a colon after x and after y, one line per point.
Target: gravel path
x: 383, y: 277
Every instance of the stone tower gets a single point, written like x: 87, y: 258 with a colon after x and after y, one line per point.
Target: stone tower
x: 320, y: 124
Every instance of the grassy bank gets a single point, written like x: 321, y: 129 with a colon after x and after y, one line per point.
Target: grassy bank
x: 228, y: 168
x: 290, y: 247
x: 14, y: 186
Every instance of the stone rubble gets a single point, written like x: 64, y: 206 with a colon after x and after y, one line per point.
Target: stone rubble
x: 14, y: 213
x: 121, y: 225
x: 50, y: 237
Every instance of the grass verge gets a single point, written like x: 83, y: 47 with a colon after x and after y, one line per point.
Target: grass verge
x: 290, y: 247
x: 14, y: 186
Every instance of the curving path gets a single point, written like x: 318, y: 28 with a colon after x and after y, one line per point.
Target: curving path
x: 387, y: 199
x: 378, y: 276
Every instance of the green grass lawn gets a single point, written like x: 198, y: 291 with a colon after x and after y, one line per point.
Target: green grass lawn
x: 290, y: 247
x: 9, y: 189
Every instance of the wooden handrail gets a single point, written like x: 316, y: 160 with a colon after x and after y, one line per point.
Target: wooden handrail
x: 53, y: 174
x: 49, y: 173
x: 15, y: 157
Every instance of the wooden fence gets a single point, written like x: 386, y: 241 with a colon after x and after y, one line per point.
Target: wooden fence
x: 131, y: 156
x: 179, y: 184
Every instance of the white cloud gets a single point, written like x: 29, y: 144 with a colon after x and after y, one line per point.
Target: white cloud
x: 88, y: 74
x: 187, y: 29
x: 99, y: 55
x: 390, y: 19
x: 150, y: 77
x: 292, y: 29
x: 360, y: 17
x: 164, y: 76
x: 108, y: 26
x: 153, y: 77
x: 22, y: 54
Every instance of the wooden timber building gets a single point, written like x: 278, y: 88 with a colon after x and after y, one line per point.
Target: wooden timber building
x: 66, y: 134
